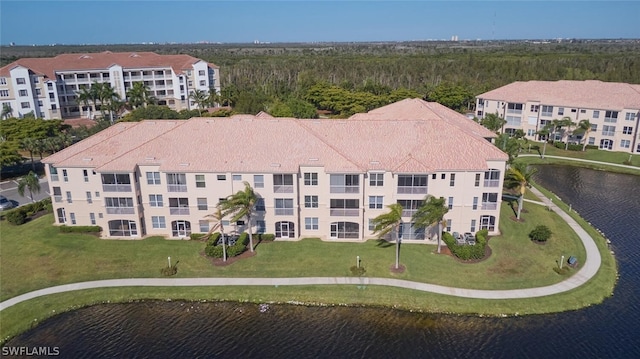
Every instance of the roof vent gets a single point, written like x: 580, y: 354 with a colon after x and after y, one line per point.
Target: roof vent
x: 374, y: 162
x: 150, y: 158
x: 184, y: 164
x: 341, y: 122
x: 313, y: 159
x: 275, y: 165
x: 134, y: 55
x: 85, y: 57
x: 87, y: 159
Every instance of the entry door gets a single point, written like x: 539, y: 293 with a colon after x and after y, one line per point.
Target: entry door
x: 181, y: 228
x: 284, y: 229
x: 606, y: 144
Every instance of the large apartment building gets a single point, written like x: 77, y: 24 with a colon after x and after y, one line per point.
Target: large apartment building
x: 613, y: 109
x: 48, y: 87
x: 315, y: 178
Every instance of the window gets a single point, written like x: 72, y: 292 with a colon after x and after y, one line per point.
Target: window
x: 452, y: 180
x: 222, y: 177
x: 85, y: 174
x: 344, y: 184
x: 560, y: 111
x: 433, y: 176
x: 179, y: 205
x: 123, y: 228
x: 345, y: 230
x: 573, y: 110
x: 69, y: 199
x: 594, y: 127
x: 376, y: 179
x: 23, y: 92
x: 531, y: 132
x: 119, y: 205
x: 190, y: 83
x: 89, y: 200
x: 92, y: 218
x: 200, y: 182
x: 410, y: 206
x: 450, y: 203
x: 3, y: 80
x: 534, y: 108
x: 40, y: 104
x: 513, y: 121
x: 202, y: 204
x: 236, y: 177
x: 488, y: 223
x: 310, y: 179
x: 4, y: 93
x: 258, y: 181
x: 625, y: 143
x: 443, y: 176
x: 515, y: 108
x: 25, y: 105
x: 375, y: 202
x: 311, y: 201
x: 630, y: 116
x: 475, y: 203
x: 155, y: 200
x: 611, y: 116
x: 285, y: 230
x: 627, y: 130
x: 284, y: 206
x: 408, y: 231
x: 372, y: 226
x: 492, y: 178
x: 344, y: 207
x: 547, y: 110
x: 448, y: 225
x: 57, y: 194
x: 608, y: 130
x: 592, y: 140
x: 412, y: 183
x: 489, y: 201
x: 477, y: 181
x: 177, y: 182
x: 20, y: 81
x: 203, y: 83
x: 261, y: 226
x: 204, y: 226
x: 201, y: 73
x: 311, y: 223
x: 282, y: 183
x: 116, y: 182
x: 73, y: 217
x: 606, y: 144
x: 596, y: 114
x: 62, y: 217
x: 472, y: 229
x: 158, y: 222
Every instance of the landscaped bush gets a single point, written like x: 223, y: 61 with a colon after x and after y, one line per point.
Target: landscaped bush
x: 540, y: 234
x: 467, y: 252
x: 197, y: 236
x: 214, y: 250
x: 266, y: 237
x: 17, y: 217
x: 28, y: 210
x: 572, y: 147
x: 80, y: 229
x: 169, y: 271
x: 213, y: 239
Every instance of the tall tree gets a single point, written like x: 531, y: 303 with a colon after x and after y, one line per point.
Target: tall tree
x: 30, y: 145
x: 569, y: 124
x: 544, y: 133
x: 518, y: 177
x: 390, y: 223
x: 217, y: 218
x: 9, y: 155
x: 241, y: 205
x: 87, y: 98
x: 200, y: 98
x: 584, y: 128
x: 493, y: 122
x: 139, y: 95
x: 431, y: 212
x: 30, y: 182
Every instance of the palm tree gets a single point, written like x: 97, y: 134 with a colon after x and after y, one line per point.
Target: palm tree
x: 493, y: 122
x: 241, y: 205
x: 518, y: 177
x: 217, y: 218
x: 139, y: 95
x: 584, y: 127
x: 214, y: 98
x: 388, y: 223
x: 7, y: 111
x: 86, y: 98
x: 431, y: 212
x: 30, y: 145
x: 568, y: 124
x: 200, y: 98
x: 30, y: 182
x: 545, y: 132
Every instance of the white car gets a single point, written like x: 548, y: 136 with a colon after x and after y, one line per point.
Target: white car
x: 5, y: 203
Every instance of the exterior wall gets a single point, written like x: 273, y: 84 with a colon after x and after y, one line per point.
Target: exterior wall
x: 623, y: 134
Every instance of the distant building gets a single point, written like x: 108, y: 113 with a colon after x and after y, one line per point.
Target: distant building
x: 48, y: 87
x: 613, y: 109
x: 315, y: 178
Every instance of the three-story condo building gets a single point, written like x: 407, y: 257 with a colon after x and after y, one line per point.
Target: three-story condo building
x: 49, y: 87
x: 314, y: 178
x: 613, y: 110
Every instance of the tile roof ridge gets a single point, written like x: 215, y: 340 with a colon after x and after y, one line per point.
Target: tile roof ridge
x: 409, y: 158
x: 308, y: 129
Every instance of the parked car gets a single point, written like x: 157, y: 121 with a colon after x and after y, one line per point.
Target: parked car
x: 5, y: 203
x: 470, y: 238
x: 459, y: 239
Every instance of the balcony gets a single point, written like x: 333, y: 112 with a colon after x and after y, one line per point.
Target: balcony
x: 412, y: 189
x: 344, y: 212
x: 179, y: 210
x: 489, y: 206
x: 492, y: 183
x: 116, y: 187
x: 408, y: 212
x: 57, y: 198
x: 284, y: 211
x: 283, y: 189
x: 177, y: 188
x: 344, y: 189
x: 120, y: 210
x: 54, y: 177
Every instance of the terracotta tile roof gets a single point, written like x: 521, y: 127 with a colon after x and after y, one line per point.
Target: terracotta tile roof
x: 102, y: 60
x: 247, y: 143
x: 590, y: 94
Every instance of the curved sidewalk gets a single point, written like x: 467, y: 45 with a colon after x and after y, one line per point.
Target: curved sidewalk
x: 588, y: 270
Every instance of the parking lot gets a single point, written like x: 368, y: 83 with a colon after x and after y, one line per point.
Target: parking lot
x: 9, y: 189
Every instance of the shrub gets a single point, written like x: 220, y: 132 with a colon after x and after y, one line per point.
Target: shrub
x: 169, y: 271
x: 213, y: 238
x: 17, y: 217
x: 197, y: 236
x: 80, y: 229
x: 214, y: 250
x: 359, y: 271
x: 466, y: 252
x: 540, y: 234
x: 266, y: 237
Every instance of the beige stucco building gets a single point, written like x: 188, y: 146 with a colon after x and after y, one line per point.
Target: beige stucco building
x: 315, y: 178
x: 613, y: 109
x: 48, y: 87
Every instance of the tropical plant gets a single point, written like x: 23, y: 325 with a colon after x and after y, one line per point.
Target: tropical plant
x: 584, y: 128
x: 30, y: 182
x: 544, y: 132
x: 493, y: 122
x: 200, y: 98
x: 569, y: 125
x: 213, y: 99
x: 217, y: 218
x: 139, y: 95
x: 30, y: 145
x: 540, y: 233
x: 87, y: 98
x: 390, y: 223
x: 431, y: 212
x: 518, y: 177
x: 241, y: 205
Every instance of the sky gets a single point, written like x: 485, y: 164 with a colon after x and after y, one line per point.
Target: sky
x: 28, y: 22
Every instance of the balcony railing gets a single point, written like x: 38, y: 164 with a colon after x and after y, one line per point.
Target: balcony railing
x: 54, y: 177
x: 408, y: 212
x: 492, y: 183
x: 344, y: 212
x: 178, y: 210
x: 546, y: 113
x: 514, y: 111
x: 120, y: 210
x: 116, y: 187
x: 177, y: 187
x: 489, y: 205
x: 283, y: 189
x: 57, y: 198
x: 344, y: 189
x: 284, y: 211
x: 412, y: 189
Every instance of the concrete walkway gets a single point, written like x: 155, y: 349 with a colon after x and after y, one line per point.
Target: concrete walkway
x: 588, y: 270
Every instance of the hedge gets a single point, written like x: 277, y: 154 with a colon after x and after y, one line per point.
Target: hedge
x: 466, y: 252
x: 20, y: 215
x: 214, y: 250
x: 573, y: 147
x: 80, y: 229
